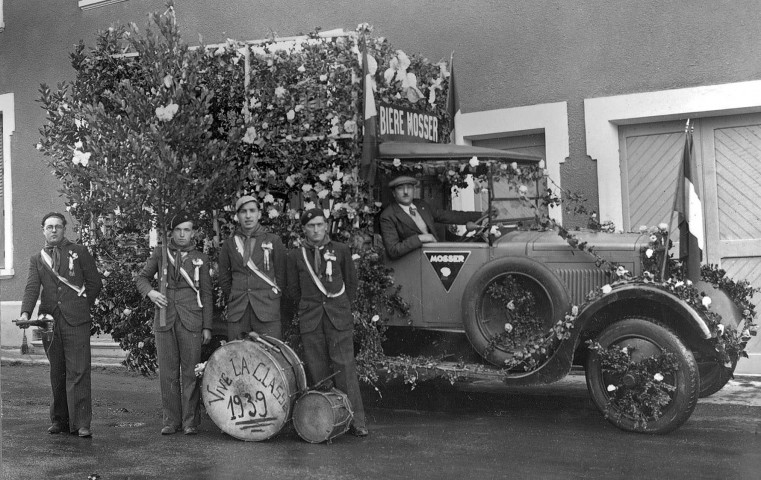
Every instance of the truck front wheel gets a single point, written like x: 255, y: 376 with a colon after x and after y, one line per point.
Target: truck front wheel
x: 623, y: 394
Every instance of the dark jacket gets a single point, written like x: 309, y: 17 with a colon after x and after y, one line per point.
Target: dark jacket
x: 75, y: 309
x: 181, y: 296
x: 242, y: 287
x: 311, y: 301
x: 400, y: 233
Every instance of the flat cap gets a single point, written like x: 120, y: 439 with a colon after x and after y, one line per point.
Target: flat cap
x: 402, y: 180
x: 310, y: 214
x: 244, y: 200
x: 180, y: 217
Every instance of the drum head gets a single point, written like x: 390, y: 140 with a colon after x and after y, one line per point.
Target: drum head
x: 247, y: 390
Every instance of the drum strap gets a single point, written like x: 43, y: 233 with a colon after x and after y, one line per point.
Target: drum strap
x: 187, y: 279
x: 48, y: 261
x: 252, y: 266
x: 316, y: 279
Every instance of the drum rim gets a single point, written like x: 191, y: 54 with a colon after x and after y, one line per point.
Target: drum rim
x: 301, y: 377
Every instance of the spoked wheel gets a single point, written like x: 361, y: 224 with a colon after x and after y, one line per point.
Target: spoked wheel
x: 643, y: 338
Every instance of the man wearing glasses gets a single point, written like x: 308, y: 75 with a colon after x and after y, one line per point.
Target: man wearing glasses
x: 70, y: 283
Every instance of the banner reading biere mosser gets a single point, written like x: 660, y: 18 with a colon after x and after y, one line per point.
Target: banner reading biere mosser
x: 400, y: 124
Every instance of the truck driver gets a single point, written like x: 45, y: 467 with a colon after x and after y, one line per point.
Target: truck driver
x: 407, y: 224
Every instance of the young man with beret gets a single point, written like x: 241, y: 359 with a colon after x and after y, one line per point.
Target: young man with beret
x: 323, y: 281
x: 70, y: 283
x: 189, y: 307
x: 406, y: 224
x: 252, y: 274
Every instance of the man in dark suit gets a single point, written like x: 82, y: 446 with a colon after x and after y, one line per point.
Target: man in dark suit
x: 70, y: 283
x: 189, y: 307
x: 252, y: 274
x: 322, y: 280
x: 407, y: 224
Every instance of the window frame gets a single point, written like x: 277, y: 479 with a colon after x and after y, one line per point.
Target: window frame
x: 9, y: 125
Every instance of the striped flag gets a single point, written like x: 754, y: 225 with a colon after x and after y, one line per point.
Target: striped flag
x: 689, y: 210
x: 453, y: 101
x: 367, y: 165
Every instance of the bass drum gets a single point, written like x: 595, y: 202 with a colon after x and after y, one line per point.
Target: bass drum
x: 249, y: 387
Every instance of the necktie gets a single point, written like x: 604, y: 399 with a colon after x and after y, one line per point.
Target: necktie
x: 317, y: 260
x: 177, y: 265
x: 413, y: 210
x: 55, y: 254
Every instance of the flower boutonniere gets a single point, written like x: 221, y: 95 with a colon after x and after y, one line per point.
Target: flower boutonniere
x: 72, y: 256
x: 267, y: 247
x: 330, y: 257
x: 197, y: 263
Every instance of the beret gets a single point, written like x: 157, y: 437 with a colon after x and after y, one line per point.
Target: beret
x: 402, y: 180
x: 180, y: 217
x: 310, y: 214
x: 244, y: 200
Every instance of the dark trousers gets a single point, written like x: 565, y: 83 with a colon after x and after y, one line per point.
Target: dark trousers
x: 249, y: 322
x: 327, y: 351
x: 178, y: 351
x: 70, y: 380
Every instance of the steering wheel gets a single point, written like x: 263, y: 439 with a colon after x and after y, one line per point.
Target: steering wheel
x: 481, y: 233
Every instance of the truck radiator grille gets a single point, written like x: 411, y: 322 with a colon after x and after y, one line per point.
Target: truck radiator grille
x: 580, y: 282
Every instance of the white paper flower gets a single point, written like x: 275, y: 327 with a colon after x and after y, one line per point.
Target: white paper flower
x: 514, y: 165
x: 575, y: 310
x: 473, y: 162
x: 653, y: 239
x: 280, y: 92
x: 494, y: 230
x: 81, y: 158
x: 397, y: 162
x: 642, y: 228
x: 663, y: 226
x: 355, y: 257
x: 323, y: 193
x: 706, y: 301
x: 688, y: 282
x: 522, y: 190
x: 323, y: 78
x: 375, y: 318
x: 337, y: 185
x: 127, y: 311
x: 168, y: 81
x: 250, y: 135
x: 541, y: 163
x: 658, y: 377
x: 309, y: 205
x: 290, y: 115
x: 621, y: 271
x: 679, y: 284
x: 302, y: 69
x: 625, y: 350
x: 350, y: 126
x: 265, y: 125
x: 273, y: 213
x: 606, y: 289
x: 78, y: 145
x: 611, y: 388
x: 720, y: 329
x: 199, y: 369
x: 649, y: 253
x: 140, y: 344
x: 510, y: 305
x: 167, y: 113
x: 508, y: 327
x: 306, y: 188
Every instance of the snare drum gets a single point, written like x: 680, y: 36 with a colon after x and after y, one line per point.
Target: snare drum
x: 249, y: 387
x: 322, y: 416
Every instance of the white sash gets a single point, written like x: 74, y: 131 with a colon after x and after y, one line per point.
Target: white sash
x: 49, y: 262
x: 187, y: 279
x: 252, y: 266
x: 316, y: 279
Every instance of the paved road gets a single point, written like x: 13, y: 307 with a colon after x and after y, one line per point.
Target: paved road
x: 432, y: 432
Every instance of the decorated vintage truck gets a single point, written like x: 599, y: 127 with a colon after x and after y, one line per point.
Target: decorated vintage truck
x: 535, y: 303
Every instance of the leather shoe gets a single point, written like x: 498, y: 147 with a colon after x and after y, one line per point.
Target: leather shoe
x: 55, y: 428
x: 191, y: 431
x: 359, y: 431
x: 169, y: 430
x: 84, y: 432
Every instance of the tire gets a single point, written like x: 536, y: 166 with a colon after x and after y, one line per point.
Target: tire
x: 645, y: 337
x: 481, y: 322
x: 713, y: 374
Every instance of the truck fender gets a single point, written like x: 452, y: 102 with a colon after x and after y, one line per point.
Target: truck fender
x: 645, y: 293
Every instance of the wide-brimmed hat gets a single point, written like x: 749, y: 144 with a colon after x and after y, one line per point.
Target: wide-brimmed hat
x: 402, y: 180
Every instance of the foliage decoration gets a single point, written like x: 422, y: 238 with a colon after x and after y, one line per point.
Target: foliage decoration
x: 638, y: 389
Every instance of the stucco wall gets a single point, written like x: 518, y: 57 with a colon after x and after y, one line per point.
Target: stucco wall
x: 508, y: 54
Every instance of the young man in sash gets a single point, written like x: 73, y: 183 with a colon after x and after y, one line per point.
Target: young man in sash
x: 323, y: 281
x: 70, y: 283
x: 252, y: 274
x: 189, y: 306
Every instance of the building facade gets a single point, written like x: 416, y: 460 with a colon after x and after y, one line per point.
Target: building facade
x: 600, y: 89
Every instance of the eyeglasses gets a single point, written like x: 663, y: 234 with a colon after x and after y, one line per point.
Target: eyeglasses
x: 53, y: 228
